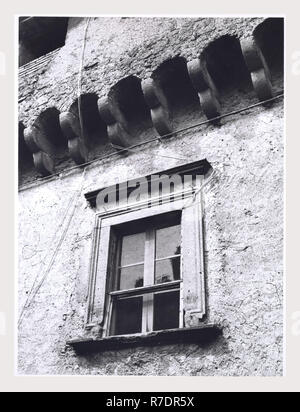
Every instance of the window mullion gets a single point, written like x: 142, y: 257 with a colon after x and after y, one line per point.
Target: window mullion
x: 149, y: 275
x: 149, y: 257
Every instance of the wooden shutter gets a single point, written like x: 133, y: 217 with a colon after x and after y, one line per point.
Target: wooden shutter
x: 194, y: 306
x: 102, y: 269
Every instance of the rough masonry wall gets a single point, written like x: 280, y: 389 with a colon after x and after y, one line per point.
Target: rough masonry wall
x: 244, y: 237
x: 243, y: 207
x: 117, y: 48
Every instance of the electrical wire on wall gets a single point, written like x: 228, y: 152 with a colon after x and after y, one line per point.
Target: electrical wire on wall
x: 71, y: 208
x: 192, y: 202
x: 79, y: 83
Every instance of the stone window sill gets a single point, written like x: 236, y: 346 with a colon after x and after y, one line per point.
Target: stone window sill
x: 201, y: 336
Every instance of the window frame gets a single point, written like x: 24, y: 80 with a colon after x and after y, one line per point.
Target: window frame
x: 188, y: 202
x: 150, y: 288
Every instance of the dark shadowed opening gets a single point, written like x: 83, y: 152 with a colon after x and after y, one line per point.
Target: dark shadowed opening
x: 48, y: 121
x: 39, y: 36
x: 94, y: 129
x: 172, y: 76
x: 128, y: 95
x: 166, y: 310
x: 127, y: 316
x: 270, y: 37
x: 226, y: 64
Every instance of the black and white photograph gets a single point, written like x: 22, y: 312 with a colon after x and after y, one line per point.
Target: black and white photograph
x: 150, y: 208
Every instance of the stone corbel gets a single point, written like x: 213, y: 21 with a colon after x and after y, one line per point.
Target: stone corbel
x: 116, y: 123
x: 70, y: 126
x: 157, y: 104
x: 41, y: 148
x: 205, y: 87
x: 258, y: 69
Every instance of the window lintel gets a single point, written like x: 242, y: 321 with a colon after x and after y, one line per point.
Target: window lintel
x: 196, y: 168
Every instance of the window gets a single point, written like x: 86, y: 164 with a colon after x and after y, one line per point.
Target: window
x: 147, y: 287
x: 147, y: 263
x: 39, y: 36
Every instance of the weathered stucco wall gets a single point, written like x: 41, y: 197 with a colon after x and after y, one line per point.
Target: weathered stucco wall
x: 243, y: 212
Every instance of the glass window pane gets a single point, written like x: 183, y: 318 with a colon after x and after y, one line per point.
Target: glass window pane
x: 168, y: 241
x: 166, y: 310
x: 132, y: 277
x: 133, y: 249
x: 167, y: 270
x: 127, y: 316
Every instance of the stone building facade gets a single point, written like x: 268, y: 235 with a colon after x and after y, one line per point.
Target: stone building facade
x: 103, y: 101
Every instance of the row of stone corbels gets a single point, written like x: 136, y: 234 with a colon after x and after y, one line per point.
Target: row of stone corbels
x: 117, y: 127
